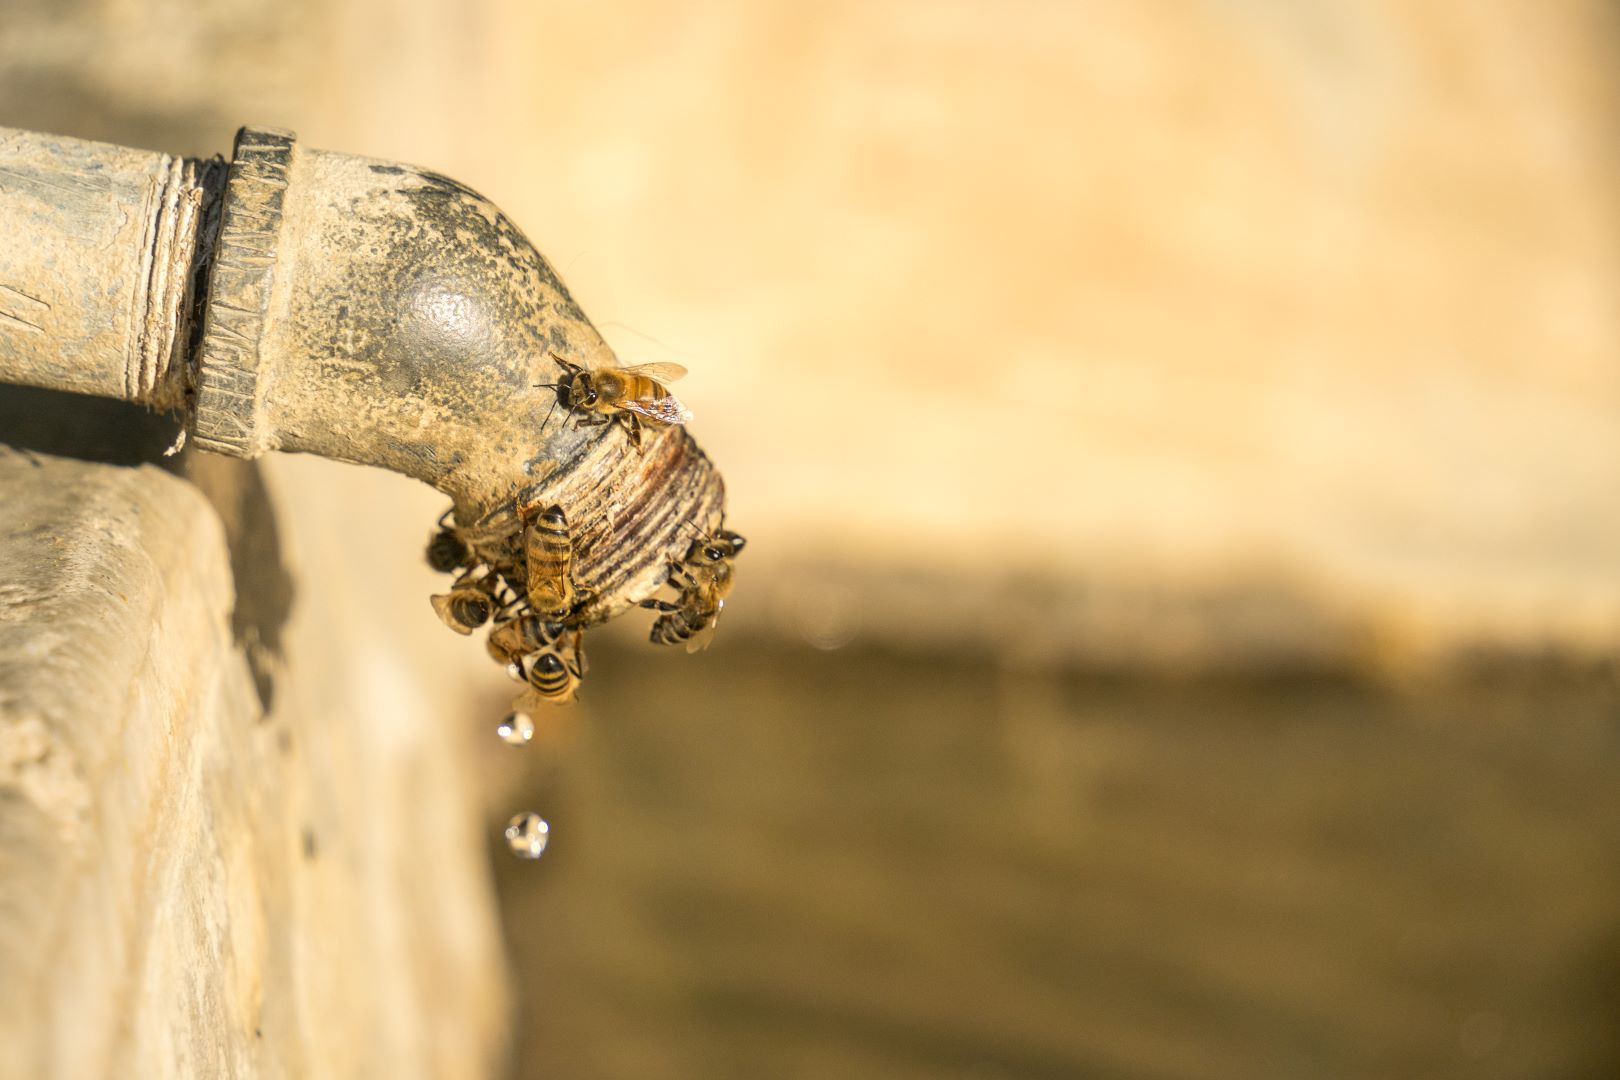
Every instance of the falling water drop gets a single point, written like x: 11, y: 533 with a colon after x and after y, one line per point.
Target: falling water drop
x: 516, y: 730
x: 527, y: 834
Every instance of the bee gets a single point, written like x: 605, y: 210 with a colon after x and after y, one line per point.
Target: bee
x: 709, y: 557
x: 690, y: 619
x: 447, y: 552
x: 514, y: 638
x: 633, y: 395
x: 704, y: 580
x: 470, y: 602
x: 548, y: 553
x: 555, y: 671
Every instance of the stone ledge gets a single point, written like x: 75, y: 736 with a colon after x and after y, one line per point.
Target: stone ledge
x: 186, y: 884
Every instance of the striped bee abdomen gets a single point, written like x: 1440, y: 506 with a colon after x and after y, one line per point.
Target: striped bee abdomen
x: 551, y: 677
x: 548, y: 551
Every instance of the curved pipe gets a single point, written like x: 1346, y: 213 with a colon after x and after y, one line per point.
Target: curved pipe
x: 363, y: 310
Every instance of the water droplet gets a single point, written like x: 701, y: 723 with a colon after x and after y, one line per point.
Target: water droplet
x: 516, y: 730
x: 828, y: 617
x: 527, y: 835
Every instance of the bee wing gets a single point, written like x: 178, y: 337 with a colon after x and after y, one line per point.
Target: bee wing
x: 700, y: 640
x: 667, y: 410
x: 441, y: 607
x: 664, y: 373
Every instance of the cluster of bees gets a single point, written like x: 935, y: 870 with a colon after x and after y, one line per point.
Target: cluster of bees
x: 515, y: 574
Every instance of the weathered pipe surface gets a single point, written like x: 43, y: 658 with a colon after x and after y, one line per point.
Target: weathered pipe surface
x: 317, y: 302
x: 96, y: 247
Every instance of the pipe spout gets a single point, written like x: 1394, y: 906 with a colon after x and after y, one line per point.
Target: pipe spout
x: 362, y: 310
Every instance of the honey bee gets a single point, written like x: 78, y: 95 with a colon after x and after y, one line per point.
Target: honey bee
x: 548, y: 553
x: 555, y: 671
x: 514, y: 638
x: 447, y: 552
x: 633, y: 395
x: 470, y: 602
x: 704, y: 580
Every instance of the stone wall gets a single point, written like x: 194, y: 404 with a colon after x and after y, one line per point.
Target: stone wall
x: 227, y: 845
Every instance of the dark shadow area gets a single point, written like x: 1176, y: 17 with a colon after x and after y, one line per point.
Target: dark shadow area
x: 264, y: 588
x: 767, y: 860
x: 87, y: 428
x: 113, y: 432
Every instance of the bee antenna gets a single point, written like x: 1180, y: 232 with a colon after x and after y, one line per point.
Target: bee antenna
x: 700, y: 533
x: 551, y: 410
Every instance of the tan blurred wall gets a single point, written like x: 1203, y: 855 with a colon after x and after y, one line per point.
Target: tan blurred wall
x: 1173, y: 292
x: 1214, y: 300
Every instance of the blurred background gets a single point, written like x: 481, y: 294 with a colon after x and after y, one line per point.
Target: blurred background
x: 1178, y: 444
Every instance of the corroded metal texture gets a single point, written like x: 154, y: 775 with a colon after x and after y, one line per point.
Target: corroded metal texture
x: 97, y: 244
x: 668, y: 492
x: 362, y: 310
x: 382, y: 314
x: 228, y: 413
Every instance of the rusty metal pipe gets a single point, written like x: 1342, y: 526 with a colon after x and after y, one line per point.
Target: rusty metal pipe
x: 96, y: 246
x: 363, y: 310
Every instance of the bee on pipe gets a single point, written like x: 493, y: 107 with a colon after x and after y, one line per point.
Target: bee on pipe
x: 556, y: 671
x: 634, y: 395
x: 514, y: 638
x: 703, y: 579
x: 496, y: 542
x: 447, y: 552
x: 548, y: 554
x: 472, y: 600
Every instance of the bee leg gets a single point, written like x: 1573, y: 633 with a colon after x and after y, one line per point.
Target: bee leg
x: 660, y: 605
x: 632, y: 425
